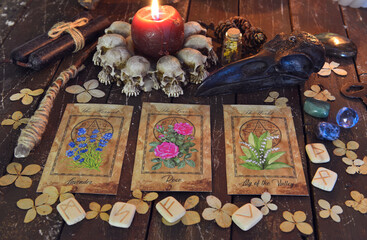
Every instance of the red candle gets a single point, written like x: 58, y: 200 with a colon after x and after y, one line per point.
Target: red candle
x: 157, y: 33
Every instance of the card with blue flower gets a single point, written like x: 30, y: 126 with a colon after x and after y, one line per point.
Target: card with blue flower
x: 89, y: 148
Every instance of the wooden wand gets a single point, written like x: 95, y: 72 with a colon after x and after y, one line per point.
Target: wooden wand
x: 31, y: 135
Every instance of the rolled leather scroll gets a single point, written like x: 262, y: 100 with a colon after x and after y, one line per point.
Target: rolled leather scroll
x: 43, y: 50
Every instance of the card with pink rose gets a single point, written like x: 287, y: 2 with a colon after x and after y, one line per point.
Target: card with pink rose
x: 173, y: 153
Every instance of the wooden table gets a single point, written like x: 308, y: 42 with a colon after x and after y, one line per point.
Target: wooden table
x: 33, y: 17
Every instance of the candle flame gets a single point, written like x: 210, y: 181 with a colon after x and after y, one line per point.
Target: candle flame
x: 155, y: 10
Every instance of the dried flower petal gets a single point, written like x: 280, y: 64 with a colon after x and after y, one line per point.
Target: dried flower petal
x: 223, y: 220
x: 274, y: 94
x: 30, y: 216
x: 165, y: 222
x: 191, y: 202
x: 257, y: 202
x: 91, y: 215
x: 17, y: 115
x: 288, y: 216
x: 104, y: 216
x: 53, y: 194
x: 31, y: 169
x: 266, y: 196
x: 304, y: 228
x: 229, y: 208
x: 324, y: 213
x: 96, y: 93
x: 65, y: 189
x: 83, y: 97
x: 23, y: 182
x: 324, y: 204
x: 44, y: 210
x: 65, y: 196
x: 339, y: 151
x: 299, y: 216
x: 309, y: 93
x: 106, y: 207
x: 25, y: 90
x: 337, y: 209
x: 14, y: 168
x: 41, y: 199
x: 269, y: 99
x: 287, y: 226
x: 190, y: 218
x: 213, y: 202
x: 209, y: 213
x: 338, y: 143
x: 281, y: 102
x: 351, y: 155
x: 27, y: 99
x: 25, y: 203
x: 265, y: 210
x: 75, y: 89
x: 324, y: 72
x: 142, y: 207
x: 150, y: 196
x: 137, y: 194
x: 7, y: 122
x: 340, y: 72
x: 94, y: 206
x: 91, y: 84
x: 7, y: 179
x: 335, y: 217
x: 334, y: 64
x: 16, y: 96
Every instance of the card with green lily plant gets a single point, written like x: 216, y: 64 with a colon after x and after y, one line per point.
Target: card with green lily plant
x: 260, y: 154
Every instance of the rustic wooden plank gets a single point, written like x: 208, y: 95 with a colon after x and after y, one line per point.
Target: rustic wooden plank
x: 314, y: 20
x: 355, y: 21
x: 206, y: 11
x: 273, y: 18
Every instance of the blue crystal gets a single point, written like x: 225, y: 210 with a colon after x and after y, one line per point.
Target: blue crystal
x: 327, y: 131
x: 347, y: 117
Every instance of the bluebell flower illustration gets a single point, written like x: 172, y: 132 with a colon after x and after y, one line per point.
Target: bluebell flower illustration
x: 83, y: 145
x: 81, y: 139
x: 86, y: 151
x: 69, y: 153
x: 82, y: 131
x: 107, y: 136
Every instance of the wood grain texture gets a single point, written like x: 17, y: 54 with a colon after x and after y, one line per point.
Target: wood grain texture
x: 315, y: 21
x: 37, y: 16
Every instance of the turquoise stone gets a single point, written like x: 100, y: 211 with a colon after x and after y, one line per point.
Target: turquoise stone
x: 316, y: 108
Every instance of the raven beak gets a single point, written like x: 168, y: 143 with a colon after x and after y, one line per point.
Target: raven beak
x: 238, y: 76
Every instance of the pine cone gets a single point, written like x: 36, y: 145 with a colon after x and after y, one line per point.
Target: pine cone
x: 253, y: 39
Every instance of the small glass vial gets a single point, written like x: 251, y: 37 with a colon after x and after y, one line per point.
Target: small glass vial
x: 232, y: 46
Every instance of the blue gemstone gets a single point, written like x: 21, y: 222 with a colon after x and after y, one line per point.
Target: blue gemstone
x: 327, y: 131
x: 347, y: 117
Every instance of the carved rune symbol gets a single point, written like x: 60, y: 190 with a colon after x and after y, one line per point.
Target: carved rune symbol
x: 124, y: 213
x: 323, y: 177
x: 66, y: 206
x: 246, y: 216
x: 165, y: 204
x: 316, y: 150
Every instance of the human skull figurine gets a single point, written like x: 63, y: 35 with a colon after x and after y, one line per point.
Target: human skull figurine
x: 106, y: 42
x: 132, y: 75
x: 192, y: 28
x: 170, y: 75
x: 114, y: 60
x: 119, y: 27
x: 200, y: 42
x: 105, y: 77
x: 150, y: 82
x: 195, y: 62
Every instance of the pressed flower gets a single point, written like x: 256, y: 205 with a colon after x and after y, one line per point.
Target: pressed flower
x: 15, y: 174
x: 359, y: 202
x: 354, y: 165
x: 343, y: 149
x: 97, y: 210
x: 54, y: 194
x: 295, y: 220
x: 221, y: 215
x: 329, y: 211
x: 265, y: 202
x: 140, y: 202
x: 40, y: 206
x: 333, y: 66
x: 278, y: 101
x: 16, y: 120
x: 190, y: 217
x: 86, y: 93
x: 317, y: 94
x: 26, y: 95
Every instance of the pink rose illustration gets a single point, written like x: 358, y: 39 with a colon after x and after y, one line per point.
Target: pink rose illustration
x: 166, y: 150
x: 161, y: 136
x: 183, y: 128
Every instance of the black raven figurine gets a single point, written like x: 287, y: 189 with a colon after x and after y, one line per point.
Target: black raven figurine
x: 287, y: 59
